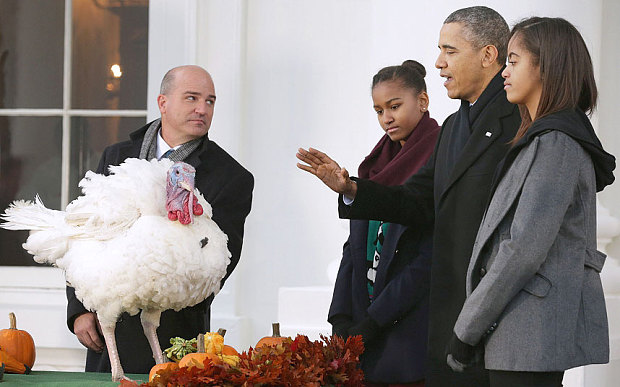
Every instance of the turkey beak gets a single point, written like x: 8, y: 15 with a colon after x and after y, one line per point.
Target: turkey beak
x: 186, y: 186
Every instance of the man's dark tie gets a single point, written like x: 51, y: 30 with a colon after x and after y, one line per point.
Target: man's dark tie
x: 167, y: 154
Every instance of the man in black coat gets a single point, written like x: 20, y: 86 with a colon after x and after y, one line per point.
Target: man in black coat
x: 186, y: 102
x: 450, y: 192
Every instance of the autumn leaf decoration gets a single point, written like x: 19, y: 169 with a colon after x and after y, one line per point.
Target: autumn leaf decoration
x: 330, y: 361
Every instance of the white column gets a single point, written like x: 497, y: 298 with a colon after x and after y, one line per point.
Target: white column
x: 221, y: 33
x: 172, y: 42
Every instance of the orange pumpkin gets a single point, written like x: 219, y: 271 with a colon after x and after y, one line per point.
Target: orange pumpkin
x: 226, y: 349
x: 229, y: 351
x: 12, y: 365
x: 197, y: 359
x: 163, y: 366
x: 275, y: 339
x: 17, y: 343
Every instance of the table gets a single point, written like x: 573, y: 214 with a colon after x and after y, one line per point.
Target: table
x: 62, y: 379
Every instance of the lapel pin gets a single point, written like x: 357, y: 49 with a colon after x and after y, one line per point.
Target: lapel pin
x: 488, y: 134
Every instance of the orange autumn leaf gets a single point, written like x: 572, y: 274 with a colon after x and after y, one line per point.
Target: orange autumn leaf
x: 300, y: 362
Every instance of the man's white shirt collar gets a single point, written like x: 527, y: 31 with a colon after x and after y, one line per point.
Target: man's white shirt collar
x: 162, y: 146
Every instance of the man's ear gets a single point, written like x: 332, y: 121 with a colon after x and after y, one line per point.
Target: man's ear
x: 489, y: 55
x: 161, y: 103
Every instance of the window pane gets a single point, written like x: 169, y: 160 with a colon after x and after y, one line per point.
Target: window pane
x: 108, y: 33
x: 31, y: 53
x: 30, y: 158
x: 89, y: 137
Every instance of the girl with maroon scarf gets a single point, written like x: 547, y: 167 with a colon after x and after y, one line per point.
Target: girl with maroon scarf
x: 382, y: 287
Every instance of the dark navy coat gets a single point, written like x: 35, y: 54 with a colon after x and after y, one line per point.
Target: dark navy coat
x: 400, y: 303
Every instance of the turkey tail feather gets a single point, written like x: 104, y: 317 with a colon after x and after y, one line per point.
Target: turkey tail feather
x: 46, y: 242
x: 27, y: 215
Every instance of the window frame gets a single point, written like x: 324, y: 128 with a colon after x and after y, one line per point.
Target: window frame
x: 66, y: 112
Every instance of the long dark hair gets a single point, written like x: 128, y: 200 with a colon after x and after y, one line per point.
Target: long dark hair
x: 565, y: 67
x: 410, y: 74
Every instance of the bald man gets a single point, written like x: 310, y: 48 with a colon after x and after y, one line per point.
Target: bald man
x: 186, y: 103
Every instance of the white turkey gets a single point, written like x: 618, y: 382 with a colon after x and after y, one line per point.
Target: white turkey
x: 137, y: 240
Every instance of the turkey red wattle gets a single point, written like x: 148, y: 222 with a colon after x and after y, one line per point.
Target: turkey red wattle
x: 181, y: 203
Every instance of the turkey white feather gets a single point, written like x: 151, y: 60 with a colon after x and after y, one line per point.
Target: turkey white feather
x: 140, y: 239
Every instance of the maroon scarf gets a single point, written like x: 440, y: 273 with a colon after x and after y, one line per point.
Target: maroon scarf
x: 389, y: 163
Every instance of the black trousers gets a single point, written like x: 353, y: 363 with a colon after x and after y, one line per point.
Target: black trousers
x: 525, y: 379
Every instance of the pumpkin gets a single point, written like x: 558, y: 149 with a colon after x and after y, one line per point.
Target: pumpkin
x: 17, y: 343
x: 275, y: 339
x: 12, y: 365
x: 163, y: 366
x: 227, y: 354
x: 229, y: 351
x: 197, y: 359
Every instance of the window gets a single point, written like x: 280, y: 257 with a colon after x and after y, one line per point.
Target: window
x: 73, y: 79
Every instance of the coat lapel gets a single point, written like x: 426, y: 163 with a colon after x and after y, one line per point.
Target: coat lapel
x: 358, y: 244
x: 132, y: 148
x: 508, y: 191
x: 387, y: 253
x: 197, y: 157
x: 486, y: 130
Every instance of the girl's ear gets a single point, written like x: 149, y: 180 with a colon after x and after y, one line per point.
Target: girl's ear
x: 423, y: 101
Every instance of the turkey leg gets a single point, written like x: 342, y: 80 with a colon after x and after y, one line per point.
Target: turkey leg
x: 110, y: 342
x: 150, y: 323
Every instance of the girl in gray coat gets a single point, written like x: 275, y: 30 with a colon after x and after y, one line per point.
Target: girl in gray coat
x: 535, y: 300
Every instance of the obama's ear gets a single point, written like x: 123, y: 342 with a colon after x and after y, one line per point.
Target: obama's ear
x: 489, y: 55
